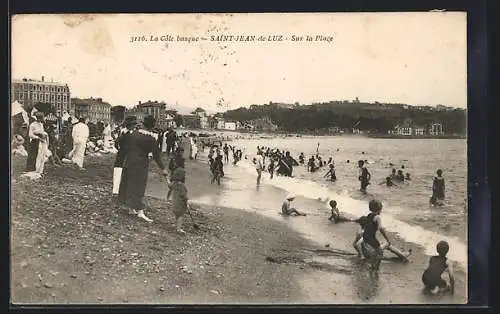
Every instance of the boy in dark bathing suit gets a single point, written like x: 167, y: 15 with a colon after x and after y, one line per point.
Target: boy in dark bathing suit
x: 438, y: 264
x: 331, y: 173
x: 364, y: 176
x: 370, y: 226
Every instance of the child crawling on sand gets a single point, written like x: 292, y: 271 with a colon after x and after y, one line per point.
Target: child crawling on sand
x: 178, y: 190
x: 287, y: 209
x: 438, y: 265
x: 336, y: 216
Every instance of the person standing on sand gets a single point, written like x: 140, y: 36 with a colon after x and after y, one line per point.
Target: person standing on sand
x: 135, y: 168
x: 226, y: 153
x: 121, y: 146
x: 80, y: 136
x: 178, y: 191
x: 36, y: 133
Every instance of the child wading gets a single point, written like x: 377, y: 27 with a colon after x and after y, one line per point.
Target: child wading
x: 370, y: 226
x: 437, y: 189
x: 438, y: 265
x: 331, y: 173
x: 287, y: 209
x: 179, y: 197
x: 364, y: 176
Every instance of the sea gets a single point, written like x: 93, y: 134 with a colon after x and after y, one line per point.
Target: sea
x: 406, y: 213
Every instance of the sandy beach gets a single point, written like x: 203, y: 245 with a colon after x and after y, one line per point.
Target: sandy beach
x: 70, y: 244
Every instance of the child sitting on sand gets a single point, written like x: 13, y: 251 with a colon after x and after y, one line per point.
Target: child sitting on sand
x: 287, y: 209
x: 179, y: 197
x: 438, y: 265
x: 336, y: 216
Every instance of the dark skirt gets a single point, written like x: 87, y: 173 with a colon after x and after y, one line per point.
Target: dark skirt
x: 133, y: 182
x: 32, y: 154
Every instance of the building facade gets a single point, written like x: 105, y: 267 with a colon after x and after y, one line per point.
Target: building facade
x: 436, y: 129
x: 28, y: 92
x: 93, y: 108
x: 230, y: 126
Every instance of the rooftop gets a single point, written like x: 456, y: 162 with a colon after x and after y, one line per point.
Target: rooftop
x: 42, y: 82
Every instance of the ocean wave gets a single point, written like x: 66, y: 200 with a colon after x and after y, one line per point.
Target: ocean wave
x: 409, y: 232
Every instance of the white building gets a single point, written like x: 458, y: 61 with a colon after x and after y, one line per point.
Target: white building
x: 221, y: 124
x: 204, y: 124
x: 229, y: 125
x: 436, y: 129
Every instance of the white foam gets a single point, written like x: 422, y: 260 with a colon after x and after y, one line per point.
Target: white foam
x: 411, y: 233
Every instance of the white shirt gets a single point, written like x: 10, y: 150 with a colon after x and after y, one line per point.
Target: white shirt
x: 80, y: 131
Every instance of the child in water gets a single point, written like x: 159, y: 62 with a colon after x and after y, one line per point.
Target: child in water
x: 437, y: 189
x: 388, y: 182
x: 287, y: 209
x: 331, y: 173
x: 271, y: 167
x: 364, y: 176
x: 179, y: 197
x: 336, y: 216
x: 438, y: 265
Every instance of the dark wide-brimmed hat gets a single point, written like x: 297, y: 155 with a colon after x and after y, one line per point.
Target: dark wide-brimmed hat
x: 130, y: 120
x: 149, y: 122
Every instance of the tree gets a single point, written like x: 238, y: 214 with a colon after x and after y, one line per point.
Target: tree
x: 197, y: 110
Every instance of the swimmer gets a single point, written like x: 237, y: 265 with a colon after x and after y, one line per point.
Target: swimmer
x: 407, y: 176
x: 438, y: 265
x: 364, y: 176
x: 388, y: 182
x: 400, y: 176
x: 331, y: 173
x: 287, y: 209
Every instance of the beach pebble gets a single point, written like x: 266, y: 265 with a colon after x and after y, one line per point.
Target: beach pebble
x: 162, y: 288
x: 47, y: 285
x: 214, y: 292
x: 24, y: 264
x: 177, y: 286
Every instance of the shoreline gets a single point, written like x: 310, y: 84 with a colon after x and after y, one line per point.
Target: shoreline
x: 220, y: 260
x: 74, y: 250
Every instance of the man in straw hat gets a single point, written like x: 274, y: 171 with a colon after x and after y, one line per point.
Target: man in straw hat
x: 121, y: 144
x: 287, y: 209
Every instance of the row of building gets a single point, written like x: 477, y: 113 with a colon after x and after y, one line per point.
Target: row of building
x: 28, y: 92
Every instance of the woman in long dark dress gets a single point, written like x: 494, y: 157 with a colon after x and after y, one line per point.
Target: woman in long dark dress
x: 135, y: 168
x: 121, y: 143
x: 35, y: 133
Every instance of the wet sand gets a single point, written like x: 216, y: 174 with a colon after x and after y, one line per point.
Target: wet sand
x: 334, y: 274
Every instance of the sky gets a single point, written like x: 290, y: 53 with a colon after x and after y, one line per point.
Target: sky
x: 412, y: 58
